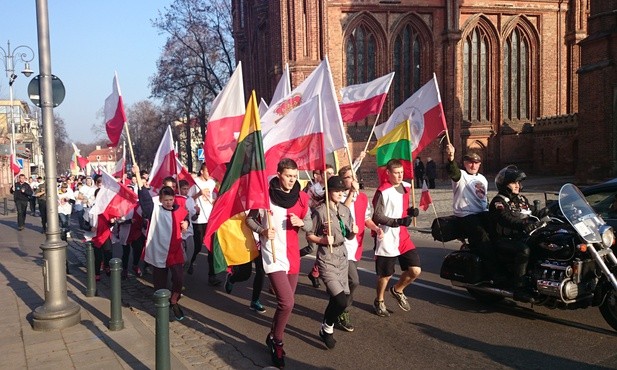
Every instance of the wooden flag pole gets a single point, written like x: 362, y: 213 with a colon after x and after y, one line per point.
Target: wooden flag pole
x: 271, y: 241
x: 368, y: 141
x: 128, y: 137
x: 329, y: 221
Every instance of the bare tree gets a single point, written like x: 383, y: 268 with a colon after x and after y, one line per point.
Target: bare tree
x: 147, y: 125
x: 64, y: 150
x: 197, y: 60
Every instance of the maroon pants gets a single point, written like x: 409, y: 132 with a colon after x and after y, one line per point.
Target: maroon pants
x: 284, y: 286
x: 159, y: 278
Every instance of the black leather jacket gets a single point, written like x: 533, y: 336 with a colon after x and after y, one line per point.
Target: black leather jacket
x: 509, y: 215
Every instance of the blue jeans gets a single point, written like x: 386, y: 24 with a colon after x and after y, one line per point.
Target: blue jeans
x: 64, y: 221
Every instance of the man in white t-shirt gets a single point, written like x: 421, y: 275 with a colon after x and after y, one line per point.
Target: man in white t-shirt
x: 203, y: 193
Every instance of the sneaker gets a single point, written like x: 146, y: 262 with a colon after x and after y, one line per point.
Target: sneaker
x: 380, y: 309
x: 257, y: 307
x: 20, y: 228
x: 137, y: 271
x: 401, y: 299
x: 177, y: 311
x: 328, y: 339
x: 229, y: 286
x: 213, y: 281
x: 344, y: 322
x: 314, y: 281
x: 190, y: 270
x: 277, y: 353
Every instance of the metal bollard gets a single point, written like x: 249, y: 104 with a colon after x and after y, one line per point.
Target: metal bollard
x: 6, y: 206
x: 116, y: 322
x: 161, y: 302
x: 91, y: 282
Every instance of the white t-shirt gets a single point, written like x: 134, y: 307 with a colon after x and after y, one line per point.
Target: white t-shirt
x: 470, y: 194
x: 205, y: 203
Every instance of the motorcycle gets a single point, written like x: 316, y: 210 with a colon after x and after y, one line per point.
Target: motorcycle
x: 572, y: 263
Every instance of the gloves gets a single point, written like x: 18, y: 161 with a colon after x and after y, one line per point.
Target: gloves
x: 413, y: 212
x: 532, y: 225
x: 543, y: 212
x: 406, y: 221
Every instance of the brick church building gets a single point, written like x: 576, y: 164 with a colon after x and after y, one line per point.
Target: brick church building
x: 507, y: 70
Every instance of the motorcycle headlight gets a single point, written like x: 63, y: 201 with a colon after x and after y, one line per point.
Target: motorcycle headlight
x: 608, y: 236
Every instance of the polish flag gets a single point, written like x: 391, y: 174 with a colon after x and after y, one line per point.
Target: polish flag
x: 14, y: 165
x: 95, y: 170
x: 183, y: 173
x: 226, y: 117
x: 165, y: 162
x: 113, y: 199
x: 425, y: 114
x: 114, y: 113
x: 120, y: 168
x: 283, y: 88
x: 263, y: 107
x: 319, y: 82
x: 360, y: 101
x: 425, y: 199
x: 82, y: 162
x: 299, y: 136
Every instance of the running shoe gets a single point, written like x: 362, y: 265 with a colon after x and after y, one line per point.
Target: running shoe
x: 380, y: 309
x: 277, y: 353
x: 177, y: 311
x: 257, y: 307
x: 328, y: 339
x: 401, y: 299
x: 343, y: 322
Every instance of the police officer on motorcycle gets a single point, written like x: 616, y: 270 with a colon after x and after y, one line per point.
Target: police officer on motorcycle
x: 510, y: 214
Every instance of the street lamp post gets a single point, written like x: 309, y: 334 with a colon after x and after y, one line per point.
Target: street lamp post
x: 24, y: 54
x: 58, y: 311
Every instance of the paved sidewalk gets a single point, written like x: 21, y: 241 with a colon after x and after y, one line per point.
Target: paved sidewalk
x: 90, y: 345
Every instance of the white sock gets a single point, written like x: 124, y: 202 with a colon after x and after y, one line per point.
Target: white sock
x: 328, y: 329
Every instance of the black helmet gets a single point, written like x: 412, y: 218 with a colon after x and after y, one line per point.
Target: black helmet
x: 508, y: 175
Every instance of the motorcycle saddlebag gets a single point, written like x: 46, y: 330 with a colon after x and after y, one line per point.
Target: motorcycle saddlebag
x: 446, y: 228
x: 462, y: 266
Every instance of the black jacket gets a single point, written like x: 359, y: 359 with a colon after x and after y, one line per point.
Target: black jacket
x: 509, y: 216
x: 21, y: 192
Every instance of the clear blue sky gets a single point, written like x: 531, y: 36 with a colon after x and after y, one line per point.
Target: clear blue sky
x: 89, y: 41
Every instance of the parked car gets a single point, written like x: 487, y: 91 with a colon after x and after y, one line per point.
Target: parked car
x: 603, y: 199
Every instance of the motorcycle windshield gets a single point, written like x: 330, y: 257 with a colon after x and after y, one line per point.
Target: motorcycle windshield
x: 579, y: 213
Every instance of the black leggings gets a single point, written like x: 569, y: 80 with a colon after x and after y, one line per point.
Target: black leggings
x: 243, y: 273
x: 138, y: 246
x: 336, y: 306
x: 102, y: 254
x: 199, y: 231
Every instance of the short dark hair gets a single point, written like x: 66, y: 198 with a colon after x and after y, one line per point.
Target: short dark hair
x: 393, y: 163
x: 343, y: 170
x: 169, y: 179
x: 286, y: 164
x: 183, y: 183
x: 166, y: 190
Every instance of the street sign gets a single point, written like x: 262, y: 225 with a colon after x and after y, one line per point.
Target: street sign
x: 200, y: 155
x: 57, y: 91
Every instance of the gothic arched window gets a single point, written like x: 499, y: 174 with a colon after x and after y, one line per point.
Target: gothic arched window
x: 361, y: 55
x: 476, y: 66
x: 516, y: 76
x: 407, y: 64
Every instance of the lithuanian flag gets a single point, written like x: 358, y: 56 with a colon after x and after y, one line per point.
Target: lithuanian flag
x: 244, y: 187
x: 396, y: 144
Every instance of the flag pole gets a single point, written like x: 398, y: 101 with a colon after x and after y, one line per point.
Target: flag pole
x: 412, y: 194
x: 271, y: 241
x: 128, y: 138
x: 438, y: 224
x: 329, y: 221
x: 368, y: 141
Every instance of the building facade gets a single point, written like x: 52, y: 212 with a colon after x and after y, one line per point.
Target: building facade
x: 502, y: 66
x: 597, y: 135
x: 28, y: 150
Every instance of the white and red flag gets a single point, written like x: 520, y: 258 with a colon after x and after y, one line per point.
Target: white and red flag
x: 165, y: 162
x: 263, y: 107
x: 425, y: 114
x: 14, y: 165
x: 319, y: 82
x: 120, y: 168
x: 114, y: 114
x: 183, y: 173
x: 113, y: 199
x: 362, y: 100
x: 224, y: 125
x: 283, y: 88
x: 425, y: 199
x: 299, y: 136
